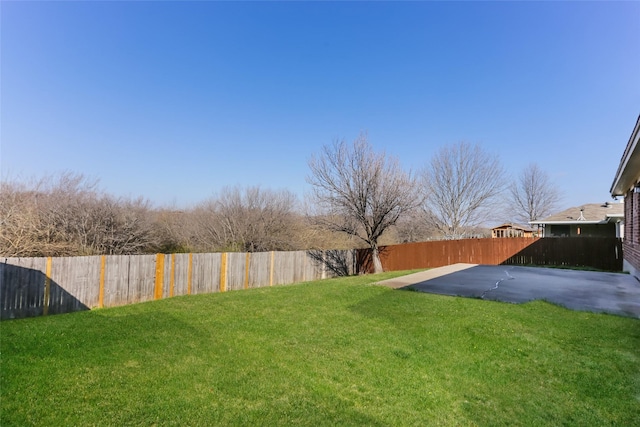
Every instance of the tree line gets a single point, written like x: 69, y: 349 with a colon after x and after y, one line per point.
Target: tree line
x: 68, y: 215
x: 359, y: 198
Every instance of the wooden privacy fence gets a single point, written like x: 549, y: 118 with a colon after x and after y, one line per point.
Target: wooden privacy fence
x: 40, y: 286
x: 603, y: 253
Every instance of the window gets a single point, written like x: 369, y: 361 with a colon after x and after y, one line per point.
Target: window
x: 560, y: 230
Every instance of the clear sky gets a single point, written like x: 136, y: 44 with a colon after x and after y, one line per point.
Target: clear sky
x: 173, y: 101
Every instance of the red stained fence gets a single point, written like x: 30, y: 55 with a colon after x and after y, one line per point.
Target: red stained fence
x: 604, y: 253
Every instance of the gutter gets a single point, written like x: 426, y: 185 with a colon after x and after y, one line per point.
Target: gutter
x: 615, y: 216
x: 575, y: 221
x: 617, y: 188
x: 567, y: 222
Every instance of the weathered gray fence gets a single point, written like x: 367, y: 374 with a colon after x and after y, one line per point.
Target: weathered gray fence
x: 41, y: 286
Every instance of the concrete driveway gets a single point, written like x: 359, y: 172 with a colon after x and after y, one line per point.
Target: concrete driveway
x: 578, y: 290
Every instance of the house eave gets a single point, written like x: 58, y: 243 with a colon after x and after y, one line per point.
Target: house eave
x: 628, y: 173
x: 567, y: 222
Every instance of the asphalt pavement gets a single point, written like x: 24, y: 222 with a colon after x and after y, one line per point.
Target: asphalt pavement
x: 614, y: 293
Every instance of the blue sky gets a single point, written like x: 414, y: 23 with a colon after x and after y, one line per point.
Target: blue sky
x: 173, y: 101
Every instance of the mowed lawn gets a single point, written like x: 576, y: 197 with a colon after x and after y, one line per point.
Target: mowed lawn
x: 334, y: 352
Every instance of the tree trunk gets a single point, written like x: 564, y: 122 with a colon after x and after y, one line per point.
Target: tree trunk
x: 375, y: 258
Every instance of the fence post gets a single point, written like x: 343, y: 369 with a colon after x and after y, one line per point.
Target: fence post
x: 246, y: 270
x: 223, y: 272
x: 159, y: 276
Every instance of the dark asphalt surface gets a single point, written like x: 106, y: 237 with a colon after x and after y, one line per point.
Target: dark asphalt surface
x: 613, y: 293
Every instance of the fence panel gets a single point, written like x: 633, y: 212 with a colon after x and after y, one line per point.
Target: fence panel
x: 236, y: 270
x: 308, y: 268
x: 597, y: 252
x: 37, y: 286
x: 206, y: 273
x: 142, y: 278
x: 604, y: 253
x: 302, y: 267
x: 181, y: 274
x: 202, y: 274
x: 283, y: 265
x: 22, y: 284
x: 260, y: 269
x: 116, y: 280
x: 446, y: 252
x: 75, y: 284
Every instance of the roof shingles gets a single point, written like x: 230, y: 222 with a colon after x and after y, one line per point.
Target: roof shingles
x: 590, y: 212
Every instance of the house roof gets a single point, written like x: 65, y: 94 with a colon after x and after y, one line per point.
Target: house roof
x: 512, y: 226
x: 591, y: 213
x: 628, y: 174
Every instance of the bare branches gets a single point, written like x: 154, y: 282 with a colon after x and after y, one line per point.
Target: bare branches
x: 462, y: 183
x: 360, y: 192
x: 251, y: 219
x: 533, y: 194
x: 359, y: 197
x: 66, y: 215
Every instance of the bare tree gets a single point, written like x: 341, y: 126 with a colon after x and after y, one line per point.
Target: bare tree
x: 360, y: 192
x: 174, y: 227
x: 21, y: 229
x: 36, y: 216
x: 65, y: 214
x: 126, y: 227
x: 533, y: 194
x: 462, y: 183
x: 415, y: 227
x: 251, y: 219
x: 258, y: 219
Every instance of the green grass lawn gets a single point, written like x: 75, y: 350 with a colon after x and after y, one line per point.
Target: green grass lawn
x: 335, y: 352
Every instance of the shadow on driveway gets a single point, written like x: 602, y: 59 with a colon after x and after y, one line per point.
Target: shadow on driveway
x: 613, y: 293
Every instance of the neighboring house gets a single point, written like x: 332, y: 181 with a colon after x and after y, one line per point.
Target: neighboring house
x: 511, y: 230
x: 627, y: 183
x: 590, y: 220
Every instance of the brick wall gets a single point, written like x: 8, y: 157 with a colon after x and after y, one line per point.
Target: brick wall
x: 631, y: 244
